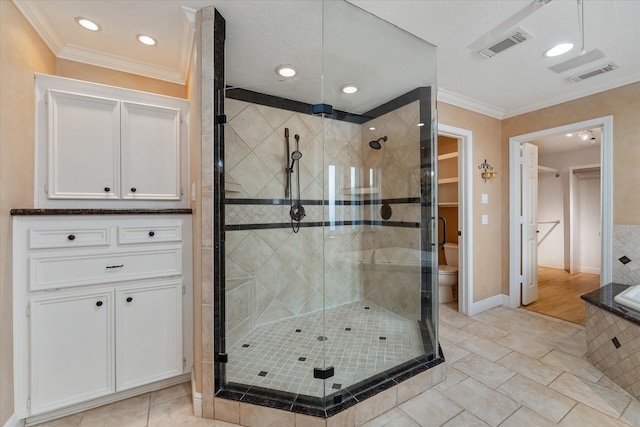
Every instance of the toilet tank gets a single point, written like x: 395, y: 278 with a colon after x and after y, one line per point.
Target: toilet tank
x: 451, y: 254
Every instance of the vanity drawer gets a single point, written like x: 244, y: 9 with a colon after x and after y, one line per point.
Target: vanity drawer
x: 53, y: 272
x: 135, y: 234
x: 68, y: 237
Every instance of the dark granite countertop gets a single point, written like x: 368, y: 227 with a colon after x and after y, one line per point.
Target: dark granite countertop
x: 603, y: 298
x: 41, y: 212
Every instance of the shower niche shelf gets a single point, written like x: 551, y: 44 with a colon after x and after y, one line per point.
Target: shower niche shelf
x: 448, y: 204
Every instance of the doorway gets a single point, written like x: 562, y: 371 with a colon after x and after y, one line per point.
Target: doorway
x: 520, y: 263
x: 567, y: 231
x: 462, y: 202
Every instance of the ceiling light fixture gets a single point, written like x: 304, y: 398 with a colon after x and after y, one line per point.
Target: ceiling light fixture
x: 558, y: 50
x: 349, y: 89
x: 286, y: 70
x: 87, y: 23
x: 372, y: 128
x: 146, y: 40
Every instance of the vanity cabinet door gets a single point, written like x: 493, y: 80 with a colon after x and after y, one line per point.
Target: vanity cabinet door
x: 150, y: 148
x: 148, y: 333
x: 83, y: 136
x: 72, y: 347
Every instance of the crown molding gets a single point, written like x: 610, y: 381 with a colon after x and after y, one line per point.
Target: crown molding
x: 575, y: 94
x: 119, y: 63
x: 467, y: 103
x: 187, y: 41
x: 39, y: 22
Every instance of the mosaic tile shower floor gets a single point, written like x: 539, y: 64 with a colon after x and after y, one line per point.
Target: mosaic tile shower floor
x: 362, y: 340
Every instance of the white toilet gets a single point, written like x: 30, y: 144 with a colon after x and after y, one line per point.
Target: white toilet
x: 448, y: 274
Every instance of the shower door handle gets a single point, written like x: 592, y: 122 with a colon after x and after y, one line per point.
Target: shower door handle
x: 444, y: 230
x: 431, y: 231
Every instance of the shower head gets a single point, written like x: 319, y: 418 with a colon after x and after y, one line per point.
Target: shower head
x: 376, y: 144
x: 296, y: 155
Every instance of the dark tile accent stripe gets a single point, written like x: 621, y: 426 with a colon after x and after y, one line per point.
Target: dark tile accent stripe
x: 327, y: 407
x: 317, y: 202
x: 289, y: 105
x: 278, y: 225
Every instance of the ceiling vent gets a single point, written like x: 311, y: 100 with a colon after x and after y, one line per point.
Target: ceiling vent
x: 592, y: 73
x: 578, y: 61
x: 516, y: 36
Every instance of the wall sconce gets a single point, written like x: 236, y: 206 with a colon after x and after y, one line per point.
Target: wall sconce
x: 486, y: 171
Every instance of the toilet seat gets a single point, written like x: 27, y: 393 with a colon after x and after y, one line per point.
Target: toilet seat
x: 447, y: 269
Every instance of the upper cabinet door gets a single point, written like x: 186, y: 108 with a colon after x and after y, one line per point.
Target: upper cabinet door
x: 150, y: 152
x: 83, y: 146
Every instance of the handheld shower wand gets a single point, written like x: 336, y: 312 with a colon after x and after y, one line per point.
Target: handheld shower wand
x: 288, y: 170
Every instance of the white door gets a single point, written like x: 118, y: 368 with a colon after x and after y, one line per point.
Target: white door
x: 83, y: 146
x: 71, y: 349
x: 529, y: 223
x: 150, y: 148
x: 148, y: 334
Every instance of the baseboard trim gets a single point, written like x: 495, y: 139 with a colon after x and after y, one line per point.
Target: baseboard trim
x: 505, y: 300
x: 195, y: 396
x: 486, y: 304
x: 105, y: 400
x: 14, y: 421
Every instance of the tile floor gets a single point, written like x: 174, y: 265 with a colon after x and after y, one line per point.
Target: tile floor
x: 505, y: 368
x: 362, y: 340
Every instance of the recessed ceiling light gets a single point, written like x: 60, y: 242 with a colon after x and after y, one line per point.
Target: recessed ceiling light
x: 349, y: 89
x: 146, y: 40
x: 286, y: 70
x: 569, y: 134
x: 558, y: 49
x: 372, y: 128
x: 88, y: 24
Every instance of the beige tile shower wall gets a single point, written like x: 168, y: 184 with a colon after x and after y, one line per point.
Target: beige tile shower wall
x: 391, y: 272
x: 626, y: 243
x: 397, y: 164
x: 205, y: 49
x: 273, y: 274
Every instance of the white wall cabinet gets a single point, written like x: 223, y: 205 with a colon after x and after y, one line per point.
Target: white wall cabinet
x: 119, y: 146
x: 87, y: 330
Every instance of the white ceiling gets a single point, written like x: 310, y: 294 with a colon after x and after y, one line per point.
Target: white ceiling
x: 569, y: 142
x: 513, y: 82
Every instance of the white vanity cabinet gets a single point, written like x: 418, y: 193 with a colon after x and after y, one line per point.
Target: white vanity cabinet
x: 114, y: 145
x: 72, y: 347
x: 102, y: 306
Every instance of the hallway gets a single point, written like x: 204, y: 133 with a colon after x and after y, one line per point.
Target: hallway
x: 559, y: 294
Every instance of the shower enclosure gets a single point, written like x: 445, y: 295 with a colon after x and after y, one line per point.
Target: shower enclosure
x: 326, y: 261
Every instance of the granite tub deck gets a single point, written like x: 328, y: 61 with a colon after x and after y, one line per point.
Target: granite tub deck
x: 613, y: 337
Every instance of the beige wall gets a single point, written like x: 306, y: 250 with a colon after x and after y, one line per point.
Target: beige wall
x: 488, y: 240
x: 623, y: 104
x: 21, y: 53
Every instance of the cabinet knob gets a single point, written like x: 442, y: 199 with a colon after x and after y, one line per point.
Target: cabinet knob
x: 129, y: 299
x: 133, y: 189
x: 71, y: 237
x: 107, y: 189
x: 151, y: 234
x: 99, y: 303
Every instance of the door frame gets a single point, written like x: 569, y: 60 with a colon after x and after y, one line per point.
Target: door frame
x: 465, y: 213
x: 575, y: 196
x: 606, y: 201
